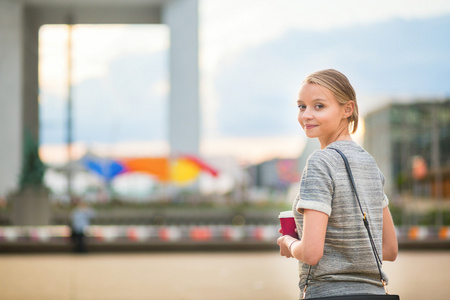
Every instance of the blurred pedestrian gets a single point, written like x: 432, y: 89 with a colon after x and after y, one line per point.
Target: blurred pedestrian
x: 334, y: 251
x: 80, y: 218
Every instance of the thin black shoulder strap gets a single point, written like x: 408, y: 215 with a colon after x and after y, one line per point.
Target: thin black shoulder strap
x: 350, y: 175
x: 366, y: 222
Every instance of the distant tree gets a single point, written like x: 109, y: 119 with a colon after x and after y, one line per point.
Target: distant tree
x: 33, y: 169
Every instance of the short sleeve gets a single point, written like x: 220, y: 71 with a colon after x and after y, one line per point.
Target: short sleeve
x: 316, y: 185
x: 385, y: 198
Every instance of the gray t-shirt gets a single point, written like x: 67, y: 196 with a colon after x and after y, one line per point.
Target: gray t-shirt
x: 348, y: 265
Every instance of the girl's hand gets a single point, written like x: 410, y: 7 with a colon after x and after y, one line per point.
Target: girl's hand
x: 284, y: 242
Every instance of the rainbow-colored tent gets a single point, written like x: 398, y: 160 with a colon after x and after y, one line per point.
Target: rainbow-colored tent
x: 181, y: 170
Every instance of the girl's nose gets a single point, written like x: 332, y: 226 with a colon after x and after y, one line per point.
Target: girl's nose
x: 306, y: 114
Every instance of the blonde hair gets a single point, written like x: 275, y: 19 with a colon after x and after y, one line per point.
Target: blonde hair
x: 341, y: 88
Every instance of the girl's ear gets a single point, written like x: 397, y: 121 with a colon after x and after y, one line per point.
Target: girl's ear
x: 349, y: 108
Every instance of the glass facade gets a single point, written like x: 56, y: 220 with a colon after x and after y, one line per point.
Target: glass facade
x: 411, y: 143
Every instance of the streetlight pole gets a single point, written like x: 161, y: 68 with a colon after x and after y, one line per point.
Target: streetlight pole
x: 69, y: 108
x: 435, y: 159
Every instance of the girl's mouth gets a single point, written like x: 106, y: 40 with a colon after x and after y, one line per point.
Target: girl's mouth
x: 308, y: 126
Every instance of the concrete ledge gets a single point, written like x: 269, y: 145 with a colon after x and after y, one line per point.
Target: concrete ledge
x: 424, y: 245
x: 180, y: 246
x: 26, y: 247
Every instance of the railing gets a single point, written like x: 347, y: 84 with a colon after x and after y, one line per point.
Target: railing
x: 110, y: 234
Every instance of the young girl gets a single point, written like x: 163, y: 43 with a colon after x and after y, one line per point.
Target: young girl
x: 332, y: 238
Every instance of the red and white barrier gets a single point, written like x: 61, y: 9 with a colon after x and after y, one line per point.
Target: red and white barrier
x: 444, y: 233
x: 418, y: 233
x: 198, y: 233
x: 169, y: 233
x: 10, y: 234
x: 104, y: 233
x: 39, y: 234
x: 137, y: 233
x: 233, y: 233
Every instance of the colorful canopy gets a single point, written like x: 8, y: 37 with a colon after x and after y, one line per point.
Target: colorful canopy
x: 181, y: 170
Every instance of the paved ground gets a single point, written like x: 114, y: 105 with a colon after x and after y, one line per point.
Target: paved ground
x: 216, y: 275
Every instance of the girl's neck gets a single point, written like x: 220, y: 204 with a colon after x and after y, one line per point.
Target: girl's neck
x: 343, y: 135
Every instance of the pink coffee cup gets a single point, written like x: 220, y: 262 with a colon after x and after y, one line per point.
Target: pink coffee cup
x: 288, y: 223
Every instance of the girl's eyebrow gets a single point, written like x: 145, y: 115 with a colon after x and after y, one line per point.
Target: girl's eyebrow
x: 315, y: 100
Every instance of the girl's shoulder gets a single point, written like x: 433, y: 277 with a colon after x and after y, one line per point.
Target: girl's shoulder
x: 329, y: 158
x: 325, y: 159
x: 351, y: 150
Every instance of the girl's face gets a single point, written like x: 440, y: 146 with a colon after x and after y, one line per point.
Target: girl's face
x: 320, y: 114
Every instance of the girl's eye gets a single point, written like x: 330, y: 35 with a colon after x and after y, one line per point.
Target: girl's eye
x: 319, y: 106
x: 302, y: 107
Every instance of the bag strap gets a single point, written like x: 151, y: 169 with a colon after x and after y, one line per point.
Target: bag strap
x: 366, y: 225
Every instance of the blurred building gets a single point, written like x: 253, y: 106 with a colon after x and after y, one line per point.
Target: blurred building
x: 19, y: 34
x: 411, y: 144
x: 278, y: 174
x: 275, y: 174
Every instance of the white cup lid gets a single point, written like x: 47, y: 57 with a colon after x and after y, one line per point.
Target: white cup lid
x: 286, y: 214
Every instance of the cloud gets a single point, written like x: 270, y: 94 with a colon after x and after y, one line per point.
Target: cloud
x: 123, y: 106
x: 94, y: 47
x: 385, y: 60
x: 229, y: 27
